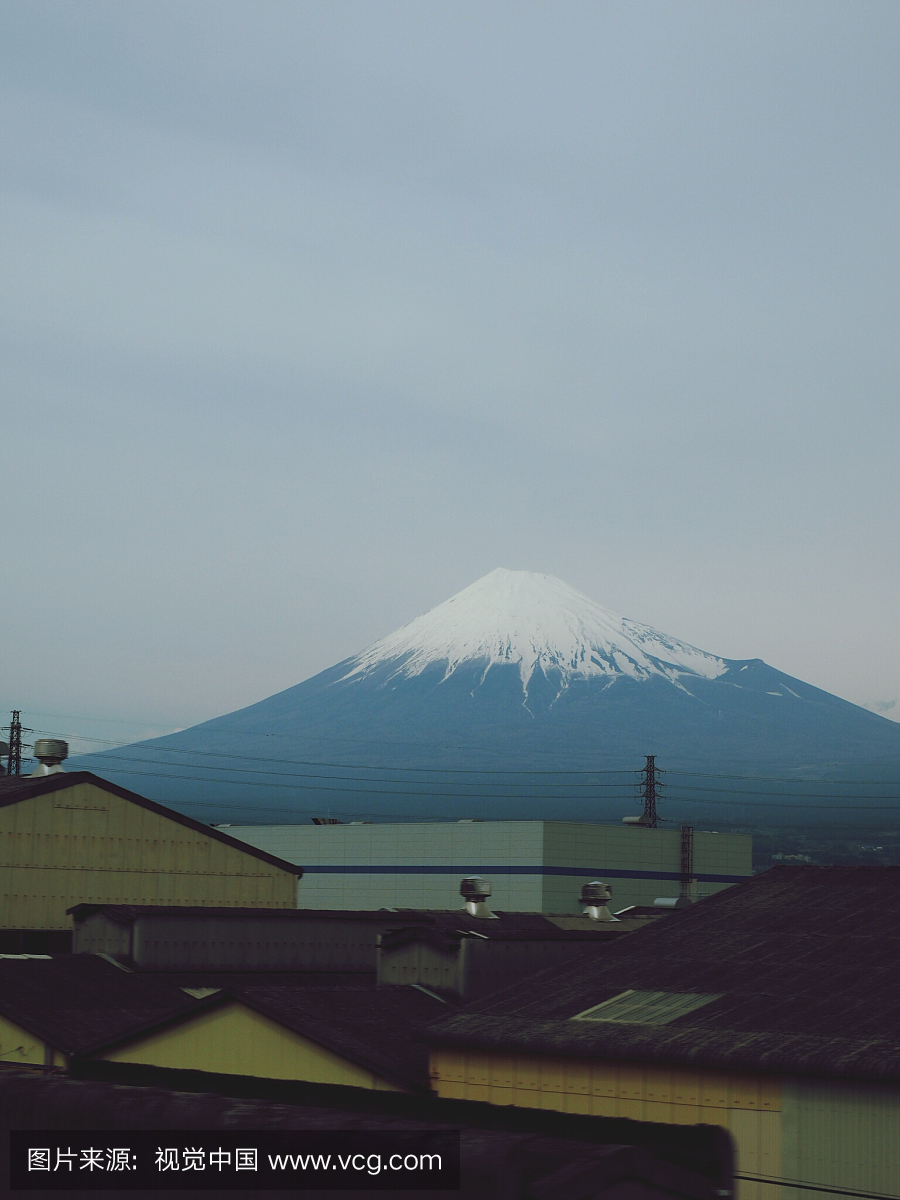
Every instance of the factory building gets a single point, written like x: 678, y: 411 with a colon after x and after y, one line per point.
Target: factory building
x: 465, y: 953
x: 162, y: 938
x: 534, y: 866
x: 770, y: 1010
x: 65, y: 1010
x: 68, y: 839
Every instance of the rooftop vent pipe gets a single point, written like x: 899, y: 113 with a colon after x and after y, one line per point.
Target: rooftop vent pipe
x: 597, y: 896
x: 50, y: 753
x: 475, y: 891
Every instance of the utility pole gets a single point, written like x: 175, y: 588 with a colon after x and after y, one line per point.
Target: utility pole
x: 650, y: 775
x: 687, y: 861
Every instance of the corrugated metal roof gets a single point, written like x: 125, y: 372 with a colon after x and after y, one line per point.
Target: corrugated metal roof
x: 126, y: 913
x: 806, y: 980
x: 377, y: 1028
x: 74, y: 1000
x: 445, y: 931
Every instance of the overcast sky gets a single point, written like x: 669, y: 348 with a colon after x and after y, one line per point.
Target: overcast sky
x: 315, y: 312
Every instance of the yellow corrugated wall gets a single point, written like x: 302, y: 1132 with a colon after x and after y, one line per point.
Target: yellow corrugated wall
x: 748, y: 1105
x: 86, y: 845
x: 235, y: 1040
x: 841, y: 1134
x: 18, y: 1046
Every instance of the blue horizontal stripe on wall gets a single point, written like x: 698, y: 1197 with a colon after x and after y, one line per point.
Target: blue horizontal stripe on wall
x: 606, y: 872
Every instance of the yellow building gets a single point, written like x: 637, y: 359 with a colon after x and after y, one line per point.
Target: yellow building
x: 68, y: 839
x: 300, y: 1034
x: 770, y: 1009
x: 61, y: 1010
x: 51, y: 1005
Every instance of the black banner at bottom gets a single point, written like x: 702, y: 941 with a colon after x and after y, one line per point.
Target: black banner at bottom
x: 233, y: 1160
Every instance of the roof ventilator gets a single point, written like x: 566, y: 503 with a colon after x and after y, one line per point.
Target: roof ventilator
x: 50, y: 753
x: 475, y: 891
x: 596, y: 896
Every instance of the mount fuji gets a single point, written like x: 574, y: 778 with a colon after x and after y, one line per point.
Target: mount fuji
x: 519, y: 696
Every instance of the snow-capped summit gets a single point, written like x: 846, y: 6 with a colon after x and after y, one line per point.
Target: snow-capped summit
x: 535, y: 622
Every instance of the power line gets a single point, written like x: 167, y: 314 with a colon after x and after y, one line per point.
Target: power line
x: 514, y: 779
x: 473, y: 770
x: 781, y: 778
x: 748, y: 792
x: 799, y: 783
x: 353, y: 779
x: 365, y: 791
x: 343, y: 791
x: 817, y: 1187
x: 319, y: 737
x: 300, y: 762
x: 510, y: 771
x: 107, y: 756
x: 337, y: 778
x: 783, y: 807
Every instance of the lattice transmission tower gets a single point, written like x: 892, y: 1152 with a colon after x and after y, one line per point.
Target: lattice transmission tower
x: 14, y: 761
x: 650, y: 790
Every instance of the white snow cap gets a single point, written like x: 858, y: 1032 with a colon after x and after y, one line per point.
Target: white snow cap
x: 534, y: 621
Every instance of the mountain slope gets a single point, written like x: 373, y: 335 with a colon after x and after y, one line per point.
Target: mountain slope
x: 517, y: 674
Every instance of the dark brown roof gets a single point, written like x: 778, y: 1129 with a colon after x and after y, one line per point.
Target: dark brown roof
x: 126, y: 913
x: 83, y: 1003
x: 75, y: 1000
x: 806, y: 980
x: 446, y: 925
x: 16, y: 788
x: 376, y: 1028
x: 445, y: 931
x: 505, y: 1152
x: 228, y: 980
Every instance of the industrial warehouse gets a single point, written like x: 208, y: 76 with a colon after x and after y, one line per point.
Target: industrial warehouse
x: 763, y: 1010
x: 609, y: 980
x: 770, y: 1009
x: 534, y: 866
x: 75, y: 838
